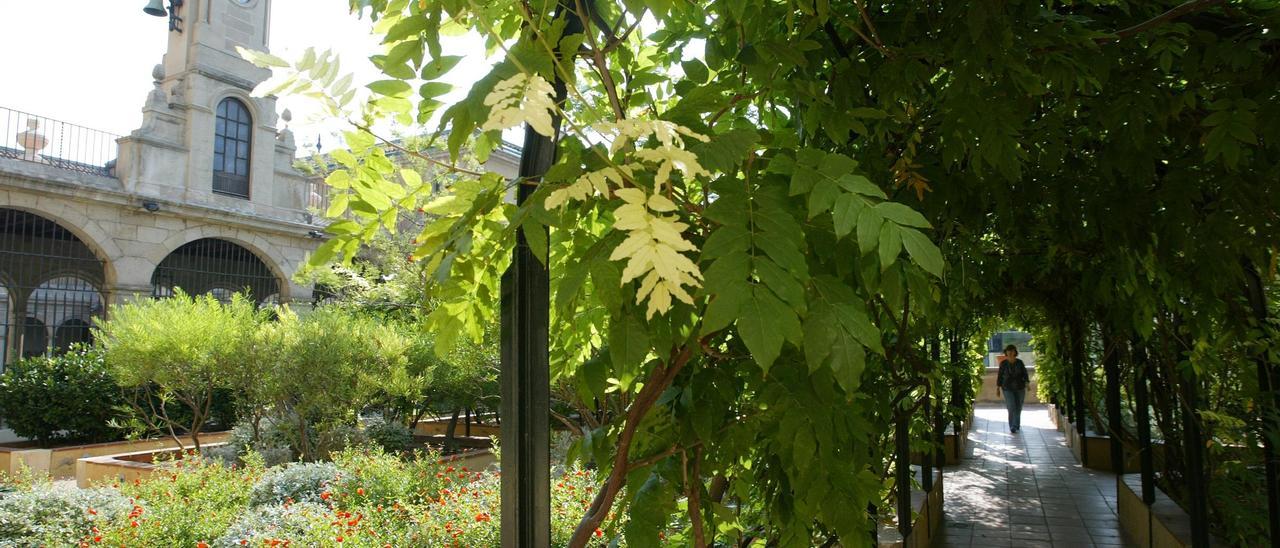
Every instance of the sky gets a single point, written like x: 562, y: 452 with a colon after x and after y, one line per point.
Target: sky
x: 88, y: 62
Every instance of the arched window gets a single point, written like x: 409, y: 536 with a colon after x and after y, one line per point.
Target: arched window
x: 231, y: 140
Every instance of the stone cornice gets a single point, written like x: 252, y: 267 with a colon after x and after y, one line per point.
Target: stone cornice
x: 83, y: 187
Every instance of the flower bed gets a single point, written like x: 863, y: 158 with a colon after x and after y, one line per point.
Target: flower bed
x: 363, y: 498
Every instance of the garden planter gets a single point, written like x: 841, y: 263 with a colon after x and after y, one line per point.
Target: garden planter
x: 928, y: 518
x: 1164, y: 524
x: 953, y: 447
x: 477, y: 460
x: 124, y: 467
x: 60, y: 462
x: 438, y: 427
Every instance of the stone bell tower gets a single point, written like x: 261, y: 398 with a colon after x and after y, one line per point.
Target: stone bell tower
x: 204, y: 140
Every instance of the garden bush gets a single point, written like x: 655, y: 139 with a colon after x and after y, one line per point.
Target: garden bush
x: 192, y: 500
x: 392, y: 437
x: 262, y: 525
x: 370, y: 476
x: 45, y: 514
x: 71, y: 396
x: 186, y: 350
x: 301, y: 482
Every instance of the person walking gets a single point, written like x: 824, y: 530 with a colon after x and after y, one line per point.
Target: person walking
x: 1012, y: 379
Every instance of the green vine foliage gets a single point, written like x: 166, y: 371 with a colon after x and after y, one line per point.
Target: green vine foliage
x: 743, y: 222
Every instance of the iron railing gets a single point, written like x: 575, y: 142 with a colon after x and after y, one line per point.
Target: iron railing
x: 38, y: 139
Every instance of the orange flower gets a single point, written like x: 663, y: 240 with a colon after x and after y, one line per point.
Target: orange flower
x: 202, y: 544
x: 360, y: 491
x: 325, y: 495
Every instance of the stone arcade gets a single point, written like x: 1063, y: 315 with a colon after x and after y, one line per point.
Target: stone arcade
x: 203, y: 196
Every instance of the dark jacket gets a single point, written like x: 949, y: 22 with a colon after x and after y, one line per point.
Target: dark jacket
x: 1013, y: 376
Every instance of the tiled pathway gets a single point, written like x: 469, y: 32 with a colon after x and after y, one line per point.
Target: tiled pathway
x: 1026, y: 489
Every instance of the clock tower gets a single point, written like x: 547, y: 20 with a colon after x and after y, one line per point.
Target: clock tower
x: 204, y: 139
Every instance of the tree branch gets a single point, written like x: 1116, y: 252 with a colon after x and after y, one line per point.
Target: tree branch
x: 656, y: 383
x: 1174, y: 13
x: 451, y: 167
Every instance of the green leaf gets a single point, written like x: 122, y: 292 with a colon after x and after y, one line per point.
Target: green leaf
x: 822, y: 197
x: 261, y: 58
x: 695, y: 70
x: 724, y: 152
x: 902, y: 214
x: 869, y: 222
x: 890, y: 244
x: 391, y: 88
x: 845, y: 214
x: 861, y: 185
x: 628, y: 346
x: 763, y: 324
x: 431, y: 90
x: 923, y: 252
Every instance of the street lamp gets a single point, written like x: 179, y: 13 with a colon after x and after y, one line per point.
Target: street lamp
x: 156, y: 8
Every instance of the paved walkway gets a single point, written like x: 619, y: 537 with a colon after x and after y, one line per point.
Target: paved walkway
x: 1026, y: 489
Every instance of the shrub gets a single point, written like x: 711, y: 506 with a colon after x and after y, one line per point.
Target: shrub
x: 71, y: 396
x: 182, y: 349
x: 392, y: 437
x: 325, y: 368
x: 305, y: 482
x: 369, y: 476
x: 61, y: 515
x: 192, y: 500
x: 264, y: 524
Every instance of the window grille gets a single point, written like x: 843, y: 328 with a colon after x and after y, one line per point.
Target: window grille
x: 217, y: 267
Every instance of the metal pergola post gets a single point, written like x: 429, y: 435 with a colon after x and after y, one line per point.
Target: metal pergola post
x: 1077, y: 385
x: 1193, y: 445
x: 902, y: 470
x: 1146, y: 462
x: 525, y: 380
x: 1266, y: 385
x: 958, y: 385
x: 926, y: 459
x: 1111, y: 368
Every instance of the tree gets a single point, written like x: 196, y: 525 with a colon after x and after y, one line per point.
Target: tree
x: 179, y: 350
x: 752, y: 228
x: 326, y: 368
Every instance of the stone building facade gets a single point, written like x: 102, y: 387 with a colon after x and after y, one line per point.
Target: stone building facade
x: 203, y: 196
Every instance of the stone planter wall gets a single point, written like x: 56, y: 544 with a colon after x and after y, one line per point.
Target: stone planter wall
x: 60, y: 462
x: 987, y: 394
x: 123, y: 467
x: 438, y: 427
x: 928, y: 524
x: 953, y: 448
x: 1162, y: 525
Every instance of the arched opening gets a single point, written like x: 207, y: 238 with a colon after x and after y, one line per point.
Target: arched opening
x: 214, y: 266
x: 50, y: 277
x: 66, y: 305
x: 72, y: 331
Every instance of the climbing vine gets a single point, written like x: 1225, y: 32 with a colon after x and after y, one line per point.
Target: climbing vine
x: 760, y: 212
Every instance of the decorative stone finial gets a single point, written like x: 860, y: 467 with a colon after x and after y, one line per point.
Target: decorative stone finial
x: 157, y: 73
x: 32, y: 141
x: 287, y: 116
